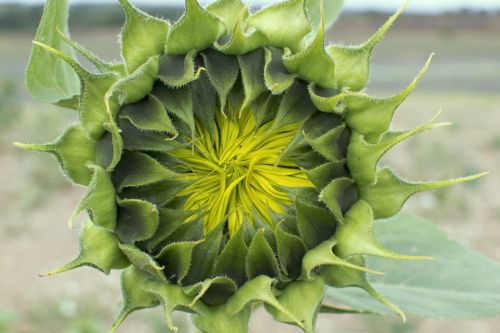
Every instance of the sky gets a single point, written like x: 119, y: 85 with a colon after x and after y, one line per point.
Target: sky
x: 422, y: 6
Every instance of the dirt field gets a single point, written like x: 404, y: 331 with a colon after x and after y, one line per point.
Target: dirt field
x: 36, y: 201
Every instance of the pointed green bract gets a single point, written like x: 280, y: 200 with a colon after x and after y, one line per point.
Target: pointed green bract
x: 196, y: 30
x: 231, y: 160
x: 272, y: 19
x: 73, y: 161
x: 100, y: 200
x: 151, y: 31
x: 99, y: 248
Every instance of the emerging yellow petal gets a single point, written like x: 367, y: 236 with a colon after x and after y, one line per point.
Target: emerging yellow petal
x: 239, y: 172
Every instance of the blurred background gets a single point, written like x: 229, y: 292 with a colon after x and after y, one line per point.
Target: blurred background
x: 36, y: 200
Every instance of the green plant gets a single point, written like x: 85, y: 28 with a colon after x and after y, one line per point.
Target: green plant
x: 229, y: 161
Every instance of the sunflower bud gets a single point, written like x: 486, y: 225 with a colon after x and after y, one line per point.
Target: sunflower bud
x: 231, y: 160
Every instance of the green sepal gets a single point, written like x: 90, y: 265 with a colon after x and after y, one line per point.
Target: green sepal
x: 169, y: 221
x: 260, y: 289
x: 313, y: 64
x: 116, y: 145
x: 48, y: 78
x: 295, y: 107
x: 176, y: 258
x: 220, y: 319
x: 160, y: 193
x: 137, y: 220
x: 343, y: 277
x: 151, y: 32
x: 373, y: 116
x: 134, y: 87
x: 316, y: 224
x: 272, y: 19
x: 229, y: 11
x: 139, y: 169
x: 338, y: 196
x: 172, y: 298
x: 242, y: 41
x: 302, y: 299
x: 353, y: 62
x: 388, y: 195
x: 178, y: 102
x: 231, y: 261
x: 143, y: 261
x: 291, y: 250
x: 204, y: 256
x: 363, y: 157
x: 135, y: 139
x: 276, y: 77
x: 261, y: 259
x: 323, y: 174
x: 222, y: 71
x: 178, y: 70
x: 213, y: 291
x: 73, y: 161
x: 204, y: 103
x: 149, y: 115
x: 251, y: 65
x: 323, y: 256
x: 99, y: 248
x: 196, y: 30
x: 355, y: 236
x: 330, y: 144
x: 135, y: 297
x: 99, y: 200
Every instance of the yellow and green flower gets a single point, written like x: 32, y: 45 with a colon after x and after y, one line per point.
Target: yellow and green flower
x: 230, y: 160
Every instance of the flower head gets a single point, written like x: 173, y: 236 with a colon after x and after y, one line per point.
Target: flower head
x: 231, y: 159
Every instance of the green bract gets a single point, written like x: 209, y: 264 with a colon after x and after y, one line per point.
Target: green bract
x: 230, y: 160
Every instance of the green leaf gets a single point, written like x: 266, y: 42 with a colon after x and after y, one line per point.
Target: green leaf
x: 73, y: 161
x: 459, y: 284
x: 48, y: 77
x: 142, y: 37
x: 331, y: 11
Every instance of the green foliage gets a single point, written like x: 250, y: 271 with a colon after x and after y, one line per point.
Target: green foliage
x: 459, y: 283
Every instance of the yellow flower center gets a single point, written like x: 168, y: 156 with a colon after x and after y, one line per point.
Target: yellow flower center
x: 239, y: 172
